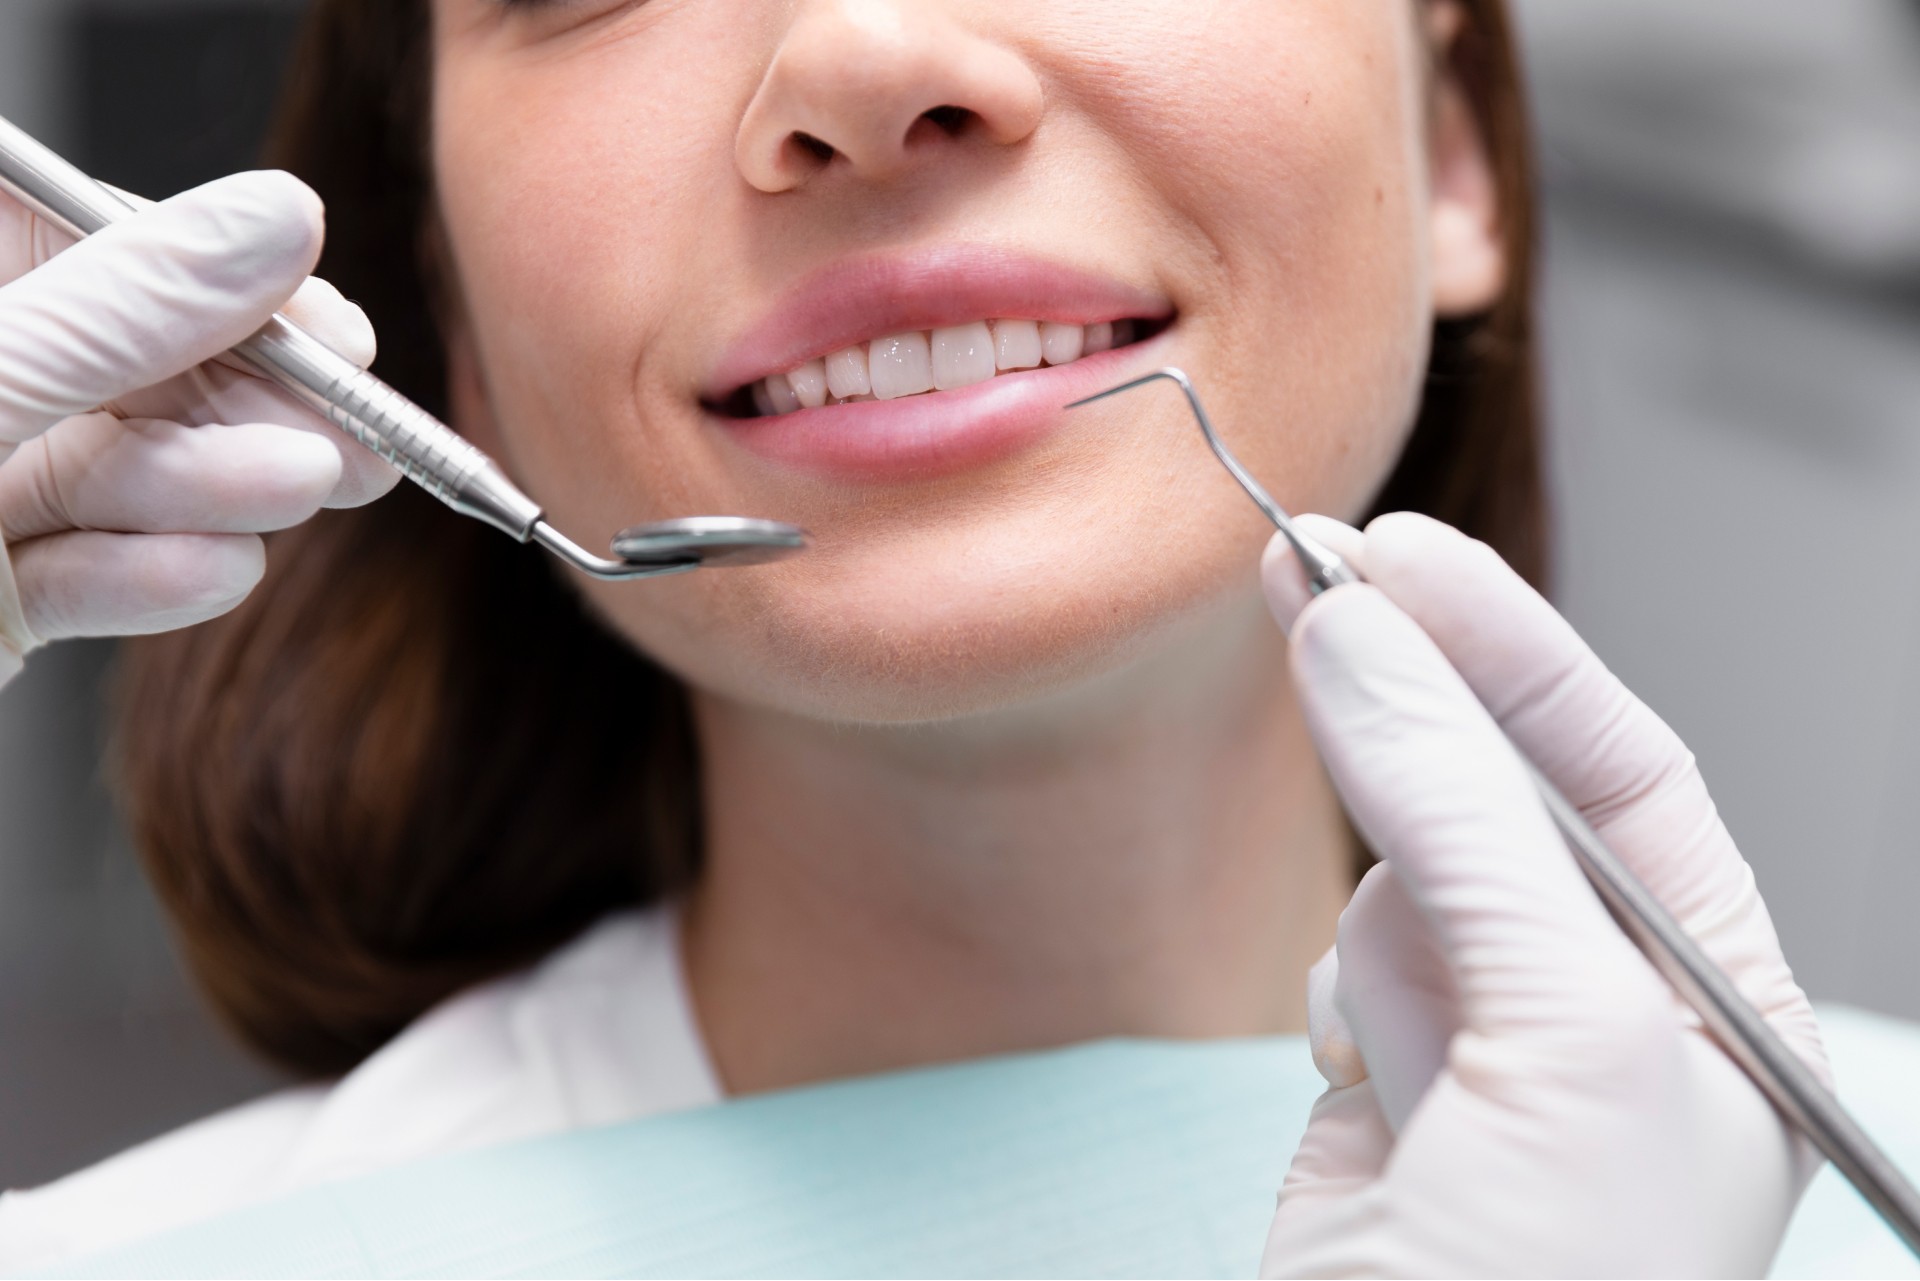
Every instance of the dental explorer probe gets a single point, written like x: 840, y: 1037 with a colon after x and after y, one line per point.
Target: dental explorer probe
x: 425, y: 450
x: 1739, y: 1028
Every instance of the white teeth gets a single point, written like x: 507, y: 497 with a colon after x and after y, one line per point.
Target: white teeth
x: 781, y: 393
x: 915, y: 362
x: 810, y: 384
x: 1016, y: 344
x: 900, y: 366
x: 962, y: 356
x: 847, y: 373
x: 1062, y: 344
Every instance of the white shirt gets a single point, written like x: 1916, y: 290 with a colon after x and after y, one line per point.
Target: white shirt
x: 601, y: 1031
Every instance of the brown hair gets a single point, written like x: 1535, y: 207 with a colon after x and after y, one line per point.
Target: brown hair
x: 397, y: 769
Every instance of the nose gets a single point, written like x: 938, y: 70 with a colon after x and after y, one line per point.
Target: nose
x: 876, y: 85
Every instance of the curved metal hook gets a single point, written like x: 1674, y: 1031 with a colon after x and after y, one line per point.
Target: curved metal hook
x: 677, y: 546
x: 599, y: 566
x: 1324, y: 568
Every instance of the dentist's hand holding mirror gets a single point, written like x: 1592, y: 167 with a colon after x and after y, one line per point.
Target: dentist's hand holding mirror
x: 136, y: 480
x: 1512, y: 1089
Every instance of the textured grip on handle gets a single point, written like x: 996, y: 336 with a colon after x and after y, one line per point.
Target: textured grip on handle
x: 405, y: 435
x: 427, y: 451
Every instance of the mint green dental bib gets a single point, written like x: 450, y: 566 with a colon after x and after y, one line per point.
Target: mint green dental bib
x: 1122, y: 1159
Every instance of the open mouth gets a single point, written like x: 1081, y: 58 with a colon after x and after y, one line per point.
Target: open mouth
x: 921, y: 362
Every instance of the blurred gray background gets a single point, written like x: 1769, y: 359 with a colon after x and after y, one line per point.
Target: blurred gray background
x: 1732, y: 297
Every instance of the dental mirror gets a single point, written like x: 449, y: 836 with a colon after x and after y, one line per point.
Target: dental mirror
x: 710, y: 540
x: 679, y: 546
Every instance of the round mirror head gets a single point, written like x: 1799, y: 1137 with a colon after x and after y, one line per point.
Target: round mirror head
x: 709, y: 541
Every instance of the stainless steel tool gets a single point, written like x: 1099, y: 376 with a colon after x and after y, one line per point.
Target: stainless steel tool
x: 425, y: 450
x: 1739, y: 1028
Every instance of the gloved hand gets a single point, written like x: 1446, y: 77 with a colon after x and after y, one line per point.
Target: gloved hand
x: 135, y: 480
x: 1512, y: 1090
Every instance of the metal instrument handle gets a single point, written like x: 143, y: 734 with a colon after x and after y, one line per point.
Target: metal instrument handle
x: 425, y: 450
x: 1747, y: 1037
x: 1749, y: 1040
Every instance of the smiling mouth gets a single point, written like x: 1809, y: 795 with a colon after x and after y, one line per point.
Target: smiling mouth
x: 926, y: 361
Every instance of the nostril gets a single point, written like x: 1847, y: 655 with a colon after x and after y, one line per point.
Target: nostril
x: 812, y: 146
x: 949, y: 120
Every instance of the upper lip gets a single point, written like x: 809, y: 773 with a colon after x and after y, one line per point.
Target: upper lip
x: 860, y: 299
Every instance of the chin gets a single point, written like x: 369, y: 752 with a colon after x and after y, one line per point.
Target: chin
x: 941, y: 625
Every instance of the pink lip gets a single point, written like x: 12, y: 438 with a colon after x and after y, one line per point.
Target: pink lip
x: 868, y: 298
x: 939, y: 432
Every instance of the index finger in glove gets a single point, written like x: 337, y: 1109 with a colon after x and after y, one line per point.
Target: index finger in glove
x: 152, y: 296
x: 227, y: 391
x: 1626, y: 770
x: 1438, y: 792
x: 26, y: 239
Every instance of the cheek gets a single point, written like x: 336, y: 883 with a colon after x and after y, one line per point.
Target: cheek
x: 1297, y: 153
x: 569, y: 190
x: 924, y: 620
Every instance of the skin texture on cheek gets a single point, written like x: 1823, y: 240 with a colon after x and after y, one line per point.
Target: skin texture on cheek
x: 1258, y: 164
x: 565, y: 190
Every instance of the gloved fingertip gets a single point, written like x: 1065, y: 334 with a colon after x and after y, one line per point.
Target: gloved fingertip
x: 264, y: 222
x: 1410, y: 525
x: 295, y: 194
x: 1336, y: 536
x: 1336, y: 1052
x: 225, y: 570
x: 1284, y: 582
x: 364, y: 478
x: 1412, y: 551
x: 311, y: 465
x: 335, y: 320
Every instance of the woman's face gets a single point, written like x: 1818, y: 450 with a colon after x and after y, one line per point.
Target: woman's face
x: 654, y: 206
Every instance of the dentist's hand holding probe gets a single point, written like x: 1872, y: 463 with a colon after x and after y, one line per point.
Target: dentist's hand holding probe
x: 1512, y: 1089
x: 135, y: 480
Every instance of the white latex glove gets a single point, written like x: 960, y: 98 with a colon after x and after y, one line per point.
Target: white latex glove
x: 134, y: 479
x: 1512, y: 1088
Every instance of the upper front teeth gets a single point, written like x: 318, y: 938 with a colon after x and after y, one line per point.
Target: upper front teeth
x: 900, y: 365
x: 847, y: 373
x: 942, y: 359
x: 962, y: 356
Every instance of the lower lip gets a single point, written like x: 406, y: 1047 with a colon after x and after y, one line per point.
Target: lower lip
x: 920, y: 437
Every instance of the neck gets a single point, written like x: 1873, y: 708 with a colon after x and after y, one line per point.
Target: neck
x: 1157, y: 856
